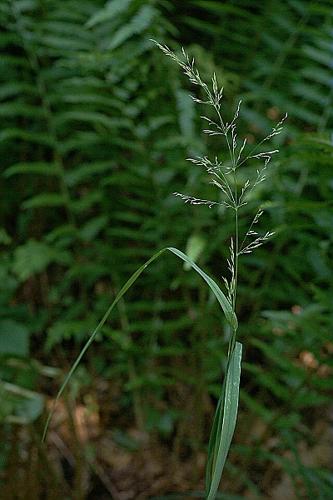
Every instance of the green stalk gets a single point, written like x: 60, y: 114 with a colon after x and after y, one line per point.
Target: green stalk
x: 232, y: 341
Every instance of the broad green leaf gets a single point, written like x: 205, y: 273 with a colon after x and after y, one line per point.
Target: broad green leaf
x: 223, y: 301
x: 14, y: 338
x: 224, y: 423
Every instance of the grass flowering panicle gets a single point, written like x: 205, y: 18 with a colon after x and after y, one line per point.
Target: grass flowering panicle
x: 223, y: 174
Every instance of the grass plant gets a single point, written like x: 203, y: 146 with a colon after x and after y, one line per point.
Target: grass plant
x: 234, y: 194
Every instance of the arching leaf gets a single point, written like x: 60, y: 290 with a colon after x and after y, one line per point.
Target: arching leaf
x: 223, y: 301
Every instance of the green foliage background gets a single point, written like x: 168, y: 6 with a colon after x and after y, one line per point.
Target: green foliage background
x: 95, y: 127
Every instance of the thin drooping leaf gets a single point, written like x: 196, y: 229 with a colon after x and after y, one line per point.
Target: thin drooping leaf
x: 223, y: 301
x: 224, y: 423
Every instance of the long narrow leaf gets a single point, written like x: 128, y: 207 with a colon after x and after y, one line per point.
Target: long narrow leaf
x: 224, y: 423
x: 223, y: 301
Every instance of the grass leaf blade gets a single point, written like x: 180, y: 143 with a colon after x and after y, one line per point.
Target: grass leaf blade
x: 223, y: 301
x: 224, y: 424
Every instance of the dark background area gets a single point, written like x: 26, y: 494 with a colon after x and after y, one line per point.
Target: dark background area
x: 95, y: 128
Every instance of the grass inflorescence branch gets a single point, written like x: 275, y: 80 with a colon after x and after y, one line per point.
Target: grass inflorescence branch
x: 223, y: 173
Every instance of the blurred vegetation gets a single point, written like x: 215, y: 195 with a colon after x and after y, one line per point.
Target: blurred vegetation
x: 95, y: 127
